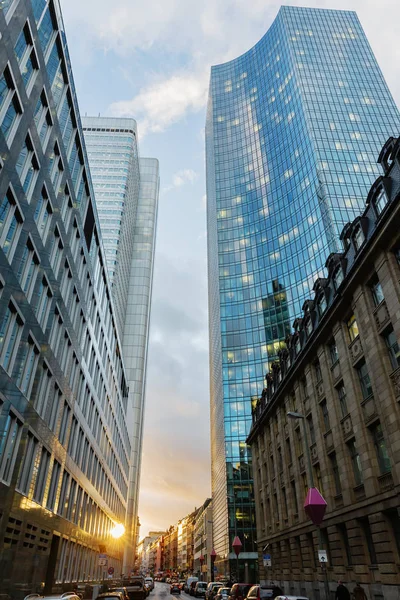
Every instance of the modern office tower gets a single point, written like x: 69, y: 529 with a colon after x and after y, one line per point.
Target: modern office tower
x: 126, y: 189
x: 65, y: 448
x: 293, y: 130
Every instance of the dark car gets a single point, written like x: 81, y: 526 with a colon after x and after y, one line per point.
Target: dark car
x: 239, y: 591
x: 136, y: 588
x: 223, y: 593
x: 192, y: 588
x: 175, y: 588
x: 200, y: 589
x: 262, y: 592
x: 110, y: 596
x: 122, y: 590
x: 212, y: 589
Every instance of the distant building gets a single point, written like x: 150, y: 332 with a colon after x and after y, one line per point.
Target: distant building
x: 126, y: 189
x: 293, y: 128
x: 145, y: 551
x: 203, y: 541
x: 65, y: 447
x: 341, y: 371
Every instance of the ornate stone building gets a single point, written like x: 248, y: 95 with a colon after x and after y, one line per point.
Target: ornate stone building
x: 341, y: 372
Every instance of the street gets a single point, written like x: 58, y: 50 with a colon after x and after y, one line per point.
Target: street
x: 161, y: 592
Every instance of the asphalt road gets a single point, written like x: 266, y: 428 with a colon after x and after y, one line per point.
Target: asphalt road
x: 161, y: 592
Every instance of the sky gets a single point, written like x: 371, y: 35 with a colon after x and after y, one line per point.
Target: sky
x: 150, y: 59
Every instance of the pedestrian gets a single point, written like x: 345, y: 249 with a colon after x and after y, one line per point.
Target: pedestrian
x: 358, y: 593
x: 342, y: 593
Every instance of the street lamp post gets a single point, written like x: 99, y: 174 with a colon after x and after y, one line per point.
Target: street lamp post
x: 315, y: 504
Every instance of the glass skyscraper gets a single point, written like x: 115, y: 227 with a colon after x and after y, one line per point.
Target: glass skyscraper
x: 126, y: 190
x: 293, y: 129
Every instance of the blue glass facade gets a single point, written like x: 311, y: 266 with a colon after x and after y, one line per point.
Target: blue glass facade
x: 293, y: 130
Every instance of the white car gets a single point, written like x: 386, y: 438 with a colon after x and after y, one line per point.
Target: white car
x: 150, y: 582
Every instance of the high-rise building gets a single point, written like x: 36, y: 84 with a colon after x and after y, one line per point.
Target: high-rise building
x: 65, y: 448
x: 293, y: 130
x: 126, y: 190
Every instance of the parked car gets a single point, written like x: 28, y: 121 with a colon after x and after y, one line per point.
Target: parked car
x: 136, y: 588
x: 189, y: 580
x: 109, y: 596
x: 68, y: 595
x: 212, y: 589
x: 122, y: 590
x: 261, y: 592
x: 150, y: 582
x: 239, y: 591
x: 174, y: 588
x: 291, y: 598
x: 192, y: 588
x: 223, y: 593
x: 200, y: 589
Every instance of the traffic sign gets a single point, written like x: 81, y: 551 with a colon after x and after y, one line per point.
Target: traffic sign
x: 103, y: 560
x: 322, y: 556
x: 111, y: 570
x: 267, y: 561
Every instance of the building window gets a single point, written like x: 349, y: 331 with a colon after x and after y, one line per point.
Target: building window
x: 337, y: 277
x: 380, y: 201
x: 28, y: 365
x: 43, y: 303
x: 318, y: 372
x: 41, y: 477
x: 336, y: 475
x: 333, y: 352
x: 28, y: 269
x: 309, y: 327
x: 312, y: 429
x: 26, y: 57
x: 28, y: 462
x: 358, y: 237
x: 321, y: 303
x: 9, y: 444
x: 341, y: 392
x: 297, y: 346
x: 64, y: 423
x: 10, y: 335
x: 55, y: 477
x: 356, y: 463
x: 5, y: 5
x: 325, y: 415
x: 10, y: 106
x: 42, y: 216
x: 393, y: 347
x: 345, y: 542
x: 381, y: 449
x: 377, y: 292
x: 365, y: 382
x: 42, y: 118
x: 396, y: 253
x: 10, y: 224
x: 366, y: 529
x: 27, y: 167
x: 352, y: 328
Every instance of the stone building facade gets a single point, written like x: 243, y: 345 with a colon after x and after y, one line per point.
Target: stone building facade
x: 341, y: 372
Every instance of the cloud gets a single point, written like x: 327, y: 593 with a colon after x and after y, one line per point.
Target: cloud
x: 184, y: 176
x: 162, y: 103
x: 181, y: 178
x: 185, y: 37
